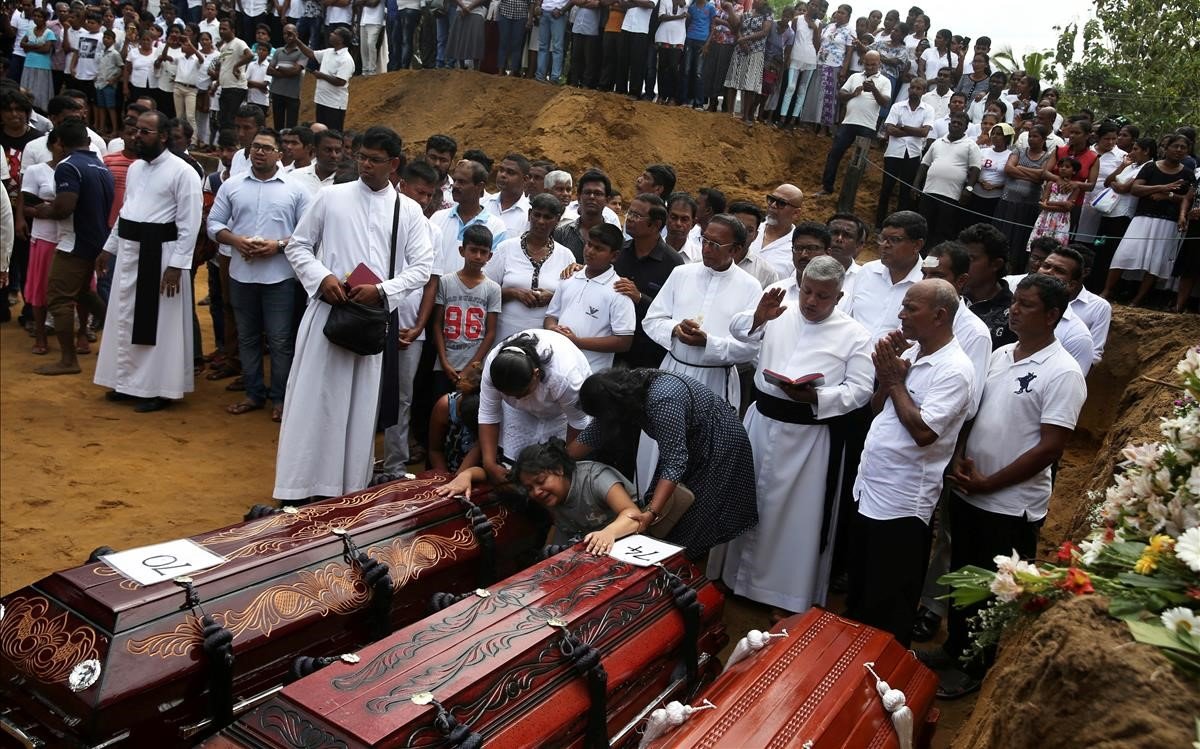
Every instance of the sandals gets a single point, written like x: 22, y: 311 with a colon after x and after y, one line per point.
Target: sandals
x: 243, y: 407
x: 39, y: 349
x: 222, y: 372
x: 277, y: 414
x: 237, y: 385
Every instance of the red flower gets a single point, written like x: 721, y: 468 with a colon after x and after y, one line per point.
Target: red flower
x: 1036, y: 604
x: 1077, y: 582
x: 1067, y: 551
x: 1109, y: 534
x: 1194, y: 593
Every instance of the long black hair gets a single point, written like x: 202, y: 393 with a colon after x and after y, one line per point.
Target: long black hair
x: 550, y: 455
x: 616, y: 396
x: 517, y: 363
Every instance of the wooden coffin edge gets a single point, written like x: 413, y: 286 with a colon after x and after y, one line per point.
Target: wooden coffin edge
x: 746, y: 688
x: 290, y: 714
x: 80, y: 715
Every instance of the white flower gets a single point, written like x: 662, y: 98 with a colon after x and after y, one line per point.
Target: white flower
x: 1190, y: 364
x: 1091, y: 550
x: 1144, y: 456
x: 1005, y: 587
x: 1193, y: 482
x: 1006, y: 565
x: 1181, y: 620
x: 1187, y: 548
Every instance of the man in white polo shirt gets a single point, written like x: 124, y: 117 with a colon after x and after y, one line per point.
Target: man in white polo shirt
x: 947, y: 173
x: 1001, y: 474
x: 881, y: 285
x: 921, y: 400
x: 907, y: 124
x: 509, y: 202
x: 1094, y: 311
x: 863, y: 94
x: 332, y: 94
x: 1071, y: 331
x: 586, y: 308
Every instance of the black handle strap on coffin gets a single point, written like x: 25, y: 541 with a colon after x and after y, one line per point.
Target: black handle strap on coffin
x: 375, y: 576
x: 98, y: 552
x: 218, y: 657
x: 585, y: 659
x: 485, y: 536
x: 689, y: 606
x: 441, y: 601
x: 259, y: 511
x: 458, y: 735
x: 305, y: 665
x: 550, y: 550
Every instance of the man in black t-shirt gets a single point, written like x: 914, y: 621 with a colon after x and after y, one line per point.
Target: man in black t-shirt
x: 986, y: 292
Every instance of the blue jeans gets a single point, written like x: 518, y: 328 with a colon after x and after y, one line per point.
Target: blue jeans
x: 309, y: 31
x: 691, y: 86
x: 551, y: 33
x: 443, y: 33
x: 265, y: 307
x: 841, y: 143
x: 512, y: 42
x: 796, y: 92
x: 400, y: 38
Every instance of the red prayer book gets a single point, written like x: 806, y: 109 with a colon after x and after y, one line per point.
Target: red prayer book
x: 361, y: 276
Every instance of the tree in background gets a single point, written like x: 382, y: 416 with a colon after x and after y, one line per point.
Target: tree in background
x: 1040, y: 65
x: 1140, y: 59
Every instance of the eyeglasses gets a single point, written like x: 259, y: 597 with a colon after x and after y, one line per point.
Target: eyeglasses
x: 377, y: 160
x: 593, y: 194
x: 893, y: 239
x: 635, y: 215
x: 263, y: 148
x: 145, y: 131
x: 706, y: 242
x: 778, y: 202
x: 808, y: 249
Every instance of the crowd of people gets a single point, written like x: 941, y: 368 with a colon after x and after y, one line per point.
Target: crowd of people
x: 726, y: 375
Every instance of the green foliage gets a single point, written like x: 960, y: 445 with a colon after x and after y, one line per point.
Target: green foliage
x: 1040, y: 65
x: 1140, y: 59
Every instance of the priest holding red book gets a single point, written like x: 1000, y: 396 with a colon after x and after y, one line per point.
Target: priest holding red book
x: 326, y: 444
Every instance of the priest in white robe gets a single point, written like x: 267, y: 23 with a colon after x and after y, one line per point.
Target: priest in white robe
x: 146, y: 351
x: 327, y: 439
x: 785, y: 560
x: 690, y: 316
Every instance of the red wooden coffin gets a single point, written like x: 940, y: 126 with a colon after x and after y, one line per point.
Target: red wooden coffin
x: 88, y: 656
x: 812, y: 689
x: 499, y: 669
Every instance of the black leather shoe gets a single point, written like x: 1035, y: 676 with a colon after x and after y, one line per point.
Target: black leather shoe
x: 149, y: 405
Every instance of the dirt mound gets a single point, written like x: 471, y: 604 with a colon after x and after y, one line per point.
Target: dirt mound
x: 580, y: 129
x: 1128, y: 392
x: 1074, y: 677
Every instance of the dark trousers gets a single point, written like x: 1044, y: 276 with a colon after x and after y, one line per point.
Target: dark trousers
x: 887, y: 572
x: 610, y: 46
x: 1111, y: 229
x: 228, y: 318
x: 943, y: 216
x: 668, y: 73
x: 691, y: 70
x: 231, y: 100
x: 841, y: 143
x: 216, y: 304
x: 309, y: 30
x: 285, y: 110
x: 269, y: 308
x: 585, y: 61
x: 246, y: 26
x: 165, y: 101
x: 898, y: 172
x: 400, y: 38
x: 978, y: 536
x: 330, y: 117
x: 631, y: 62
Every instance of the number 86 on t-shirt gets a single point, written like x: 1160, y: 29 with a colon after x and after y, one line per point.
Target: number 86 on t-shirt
x: 459, y: 325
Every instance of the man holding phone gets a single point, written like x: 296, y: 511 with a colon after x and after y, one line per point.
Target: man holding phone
x: 864, y: 94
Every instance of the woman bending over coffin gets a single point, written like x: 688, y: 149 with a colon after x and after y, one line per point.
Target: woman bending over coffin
x: 586, y: 500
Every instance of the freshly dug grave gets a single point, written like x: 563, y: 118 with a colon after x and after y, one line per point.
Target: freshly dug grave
x: 579, y: 129
x: 1074, y: 678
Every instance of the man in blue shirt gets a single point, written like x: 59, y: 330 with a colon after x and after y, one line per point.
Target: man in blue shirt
x: 700, y: 14
x: 254, y: 214
x: 84, y: 195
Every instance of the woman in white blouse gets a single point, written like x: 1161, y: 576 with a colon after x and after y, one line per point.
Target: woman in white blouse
x: 528, y: 268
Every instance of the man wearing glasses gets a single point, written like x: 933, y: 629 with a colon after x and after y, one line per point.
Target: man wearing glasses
x: 327, y: 439
x: 253, y: 215
x: 146, y: 352
x: 774, y: 241
x: 690, y: 316
x: 881, y: 284
x: 644, y: 264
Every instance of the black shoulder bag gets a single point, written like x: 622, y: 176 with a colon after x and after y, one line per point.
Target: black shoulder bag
x: 358, y: 327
